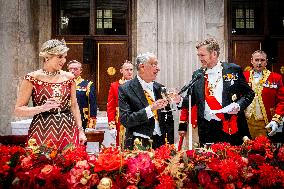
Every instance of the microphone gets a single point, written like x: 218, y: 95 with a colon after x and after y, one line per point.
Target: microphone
x: 191, y: 83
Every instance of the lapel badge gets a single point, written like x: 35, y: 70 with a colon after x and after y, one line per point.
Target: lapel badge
x: 230, y: 77
x: 234, y: 97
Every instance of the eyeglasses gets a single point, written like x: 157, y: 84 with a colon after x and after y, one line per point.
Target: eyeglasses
x: 154, y: 65
x: 260, y: 60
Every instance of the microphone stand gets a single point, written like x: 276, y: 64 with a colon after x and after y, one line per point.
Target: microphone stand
x: 190, y: 134
x: 189, y: 131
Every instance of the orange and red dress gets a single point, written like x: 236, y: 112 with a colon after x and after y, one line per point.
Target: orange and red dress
x: 56, y: 126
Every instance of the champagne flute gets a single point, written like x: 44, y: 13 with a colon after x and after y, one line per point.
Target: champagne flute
x: 172, y: 93
x: 57, y: 96
x: 164, y: 94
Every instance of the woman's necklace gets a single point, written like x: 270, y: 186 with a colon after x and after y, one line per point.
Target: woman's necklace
x: 51, y: 73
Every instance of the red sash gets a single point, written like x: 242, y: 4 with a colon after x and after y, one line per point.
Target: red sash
x: 229, y: 126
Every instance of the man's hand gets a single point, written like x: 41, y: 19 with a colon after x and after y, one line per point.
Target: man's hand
x: 174, y: 96
x: 234, y: 108
x: 273, y: 126
x: 159, y: 104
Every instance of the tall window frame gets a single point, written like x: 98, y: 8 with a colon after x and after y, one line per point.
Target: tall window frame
x: 246, y: 17
x: 111, y: 25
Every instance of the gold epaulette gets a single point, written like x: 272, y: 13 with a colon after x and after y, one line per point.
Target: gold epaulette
x: 277, y: 118
x: 89, y: 88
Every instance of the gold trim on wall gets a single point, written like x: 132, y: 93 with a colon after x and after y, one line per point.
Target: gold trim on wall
x: 98, y: 45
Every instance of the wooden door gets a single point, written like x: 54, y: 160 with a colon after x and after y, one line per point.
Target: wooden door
x: 110, y: 56
x: 242, y: 50
x: 278, y: 64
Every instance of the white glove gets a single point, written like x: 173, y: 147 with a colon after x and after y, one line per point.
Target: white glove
x: 274, y: 127
x: 233, y: 108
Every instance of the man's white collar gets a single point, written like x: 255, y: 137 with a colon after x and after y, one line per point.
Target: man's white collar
x: 144, y: 84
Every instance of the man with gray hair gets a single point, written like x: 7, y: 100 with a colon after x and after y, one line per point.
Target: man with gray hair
x: 140, y: 105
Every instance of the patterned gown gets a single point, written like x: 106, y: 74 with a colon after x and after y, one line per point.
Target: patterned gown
x: 56, y: 126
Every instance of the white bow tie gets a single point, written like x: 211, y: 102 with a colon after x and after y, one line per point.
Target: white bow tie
x: 149, y: 86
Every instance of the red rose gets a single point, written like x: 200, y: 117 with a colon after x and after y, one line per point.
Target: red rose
x: 229, y: 186
x: 47, y: 169
x: 204, y: 178
x: 27, y: 162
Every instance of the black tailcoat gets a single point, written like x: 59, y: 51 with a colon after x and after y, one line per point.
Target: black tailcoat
x: 132, y: 103
x: 233, y: 91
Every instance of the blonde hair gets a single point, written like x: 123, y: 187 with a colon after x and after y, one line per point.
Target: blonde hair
x: 126, y: 62
x: 211, y: 45
x: 53, y: 47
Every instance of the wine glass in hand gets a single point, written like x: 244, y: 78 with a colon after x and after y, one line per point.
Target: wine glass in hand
x: 57, y: 96
x: 164, y: 94
x: 174, y: 98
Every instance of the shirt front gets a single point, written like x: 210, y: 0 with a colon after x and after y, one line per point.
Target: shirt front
x: 215, y: 80
x: 148, y: 87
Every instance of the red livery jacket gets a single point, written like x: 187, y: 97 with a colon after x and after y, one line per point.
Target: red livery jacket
x: 270, y: 94
x: 112, y: 106
x: 184, y: 115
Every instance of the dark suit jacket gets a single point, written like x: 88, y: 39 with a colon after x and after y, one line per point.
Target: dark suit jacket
x: 132, y: 103
x: 239, y: 88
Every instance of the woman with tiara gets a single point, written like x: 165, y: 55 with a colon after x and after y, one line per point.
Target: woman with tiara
x: 56, y: 115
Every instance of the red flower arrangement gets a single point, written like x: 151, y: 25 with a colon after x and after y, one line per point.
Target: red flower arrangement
x: 270, y: 176
x: 255, y: 164
x: 166, y: 182
x: 110, y: 159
